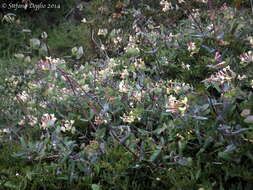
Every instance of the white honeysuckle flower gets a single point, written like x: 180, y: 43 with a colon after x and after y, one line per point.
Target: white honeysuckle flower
x: 124, y: 74
x: 245, y: 112
x: 44, y: 35
x: 137, y: 96
x: 28, y: 59
x: 123, y: 87
x: 100, y: 120
x: 166, y: 5
x: 241, y: 77
x: 68, y: 126
x: 191, y: 46
x: 128, y: 118
x: 19, y: 56
x: 103, y: 48
x: 112, y: 63
x: 249, y: 119
x: 102, y: 32
x: 84, y: 20
x: 26, y: 30
x: 22, y: 122
x: 250, y: 39
x: 32, y: 120
x: 23, y: 96
x: 86, y: 87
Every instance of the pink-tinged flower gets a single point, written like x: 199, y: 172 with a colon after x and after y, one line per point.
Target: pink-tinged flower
x: 47, y: 120
x: 23, y: 96
x: 99, y: 120
x: 191, y: 46
x: 222, y: 76
x: 217, y: 56
x: 49, y: 63
x: 224, y: 7
x: 172, y: 104
x: 42, y: 65
x: 247, y: 57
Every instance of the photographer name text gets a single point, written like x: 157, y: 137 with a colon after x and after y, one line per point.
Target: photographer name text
x: 36, y: 7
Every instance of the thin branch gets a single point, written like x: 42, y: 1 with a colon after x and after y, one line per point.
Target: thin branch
x: 123, y: 144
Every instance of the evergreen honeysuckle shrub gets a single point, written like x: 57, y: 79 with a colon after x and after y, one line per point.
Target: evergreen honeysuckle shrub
x: 169, y: 109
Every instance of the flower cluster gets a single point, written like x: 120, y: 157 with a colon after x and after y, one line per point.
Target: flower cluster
x: 49, y: 63
x: 166, y: 5
x: 47, y: 120
x: 130, y: 117
x: 224, y: 75
x: 247, y: 57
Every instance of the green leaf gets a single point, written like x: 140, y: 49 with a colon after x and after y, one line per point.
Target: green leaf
x: 143, y: 132
x: 198, y: 174
x: 95, y: 187
x: 224, y: 155
x: 63, y: 178
x: 160, y: 130
x: 101, y: 132
x: 132, y: 52
x: 155, y: 155
x: 10, y: 185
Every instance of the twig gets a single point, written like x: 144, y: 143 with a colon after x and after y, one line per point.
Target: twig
x: 123, y: 144
x: 251, y: 3
x: 70, y: 12
x: 68, y: 79
x: 196, y: 22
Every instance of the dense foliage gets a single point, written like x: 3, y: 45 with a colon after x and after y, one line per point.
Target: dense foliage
x: 127, y: 95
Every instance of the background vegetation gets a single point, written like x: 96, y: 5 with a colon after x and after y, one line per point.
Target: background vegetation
x: 127, y: 95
